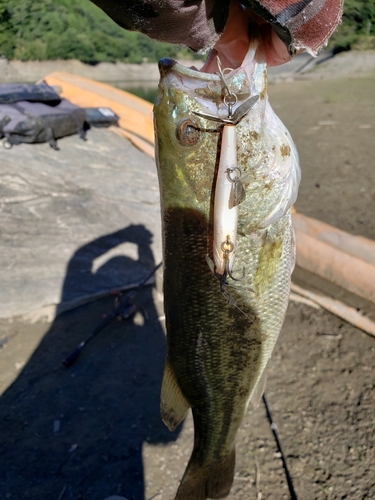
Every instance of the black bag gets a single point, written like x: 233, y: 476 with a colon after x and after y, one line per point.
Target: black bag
x: 41, y: 92
x: 101, y: 117
x: 32, y: 122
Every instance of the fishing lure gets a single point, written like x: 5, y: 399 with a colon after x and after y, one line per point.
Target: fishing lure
x: 229, y: 191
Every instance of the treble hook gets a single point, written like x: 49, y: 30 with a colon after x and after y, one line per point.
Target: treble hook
x: 227, y: 248
x: 236, y: 117
x: 230, y: 99
x: 222, y: 279
x: 221, y: 74
x: 238, y: 192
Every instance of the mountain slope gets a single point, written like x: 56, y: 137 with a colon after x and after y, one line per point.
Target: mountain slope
x: 71, y: 29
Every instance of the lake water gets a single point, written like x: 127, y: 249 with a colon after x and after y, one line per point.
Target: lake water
x: 145, y: 90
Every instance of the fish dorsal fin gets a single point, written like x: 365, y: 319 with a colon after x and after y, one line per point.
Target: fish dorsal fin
x: 173, y: 405
x: 258, y: 391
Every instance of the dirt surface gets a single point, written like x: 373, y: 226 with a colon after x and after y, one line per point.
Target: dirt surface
x: 332, y: 122
x: 64, y: 212
x: 93, y: 430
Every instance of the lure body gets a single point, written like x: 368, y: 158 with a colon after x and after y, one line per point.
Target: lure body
x: 225, y: 211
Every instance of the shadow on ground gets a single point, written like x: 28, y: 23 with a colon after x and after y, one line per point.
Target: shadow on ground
x: 80, y: 430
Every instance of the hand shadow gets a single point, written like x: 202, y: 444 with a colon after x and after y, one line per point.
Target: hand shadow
x: 83, y: 428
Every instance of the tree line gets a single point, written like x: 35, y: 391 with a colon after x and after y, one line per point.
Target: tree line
x: 357, y: 30
x: 77, y: 29
x: 72, y: 29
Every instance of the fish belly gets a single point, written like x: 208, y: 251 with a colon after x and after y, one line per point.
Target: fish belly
x: 218, y: 351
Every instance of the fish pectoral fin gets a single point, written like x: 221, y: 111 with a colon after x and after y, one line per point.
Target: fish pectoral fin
x: 173, y: 405
x: 258, y: 391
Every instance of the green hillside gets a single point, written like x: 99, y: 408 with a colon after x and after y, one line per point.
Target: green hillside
x: 357, y: 30
x: 77, y: 29
x: 71, y: 29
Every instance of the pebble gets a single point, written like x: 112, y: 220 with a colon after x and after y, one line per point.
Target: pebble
x: 56, y: 426
x: 115, y: 497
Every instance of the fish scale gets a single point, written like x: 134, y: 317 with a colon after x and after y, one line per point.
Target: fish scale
x: 220, y: 337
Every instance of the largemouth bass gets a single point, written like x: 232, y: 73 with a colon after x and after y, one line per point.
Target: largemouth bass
x: 225, y: 293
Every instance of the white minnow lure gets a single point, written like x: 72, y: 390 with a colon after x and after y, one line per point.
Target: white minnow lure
x: 225, y: 210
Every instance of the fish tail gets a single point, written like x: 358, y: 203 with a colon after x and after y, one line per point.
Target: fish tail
x: 211, y: 481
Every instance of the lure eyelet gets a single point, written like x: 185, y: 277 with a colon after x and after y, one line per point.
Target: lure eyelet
x: 188, y: 133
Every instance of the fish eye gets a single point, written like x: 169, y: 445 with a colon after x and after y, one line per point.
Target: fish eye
x: 188, y: 133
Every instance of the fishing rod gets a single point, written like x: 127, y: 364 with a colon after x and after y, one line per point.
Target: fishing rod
x: 273, y: 426
x: 124, y: 309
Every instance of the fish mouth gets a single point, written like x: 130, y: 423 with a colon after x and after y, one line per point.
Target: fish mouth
x: 204, y: 87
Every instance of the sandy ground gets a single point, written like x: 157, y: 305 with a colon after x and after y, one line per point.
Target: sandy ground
x: 94, y: 430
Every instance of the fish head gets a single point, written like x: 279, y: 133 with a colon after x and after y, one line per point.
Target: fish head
x: 187, y: 144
